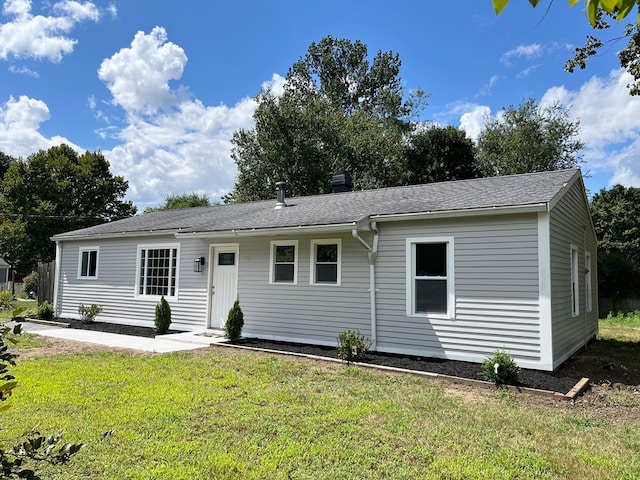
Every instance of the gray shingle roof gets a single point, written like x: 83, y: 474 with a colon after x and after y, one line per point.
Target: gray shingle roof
x: 335, y: 209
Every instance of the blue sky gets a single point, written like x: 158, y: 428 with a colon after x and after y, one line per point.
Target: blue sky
x: 160, y: 86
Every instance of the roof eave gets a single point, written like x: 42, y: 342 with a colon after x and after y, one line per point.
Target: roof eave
x: 95, y: 236
x: 475, y: 212
x: 254, y: 232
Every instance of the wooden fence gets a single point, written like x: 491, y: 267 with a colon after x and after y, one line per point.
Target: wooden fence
x: 46, y: 281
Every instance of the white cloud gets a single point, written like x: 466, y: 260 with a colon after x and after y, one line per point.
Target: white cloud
x: 24, y: 71
x: 38, y: 36
x: 20, y: 122
x: 138, y: 77
x: 171, y: 144
x: 473, y: 121
x: 522, y: 51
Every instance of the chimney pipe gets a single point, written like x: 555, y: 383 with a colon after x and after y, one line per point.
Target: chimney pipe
x: 342, y: 182
x: 281, y: 190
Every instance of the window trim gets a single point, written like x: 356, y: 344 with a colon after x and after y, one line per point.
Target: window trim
x: 156, y: 246
x: 272, y: 270
x: 410, y: 277
x: 313, y: 261
x: 588, y: 267
x: 88, y: 250
x: 575, y: 280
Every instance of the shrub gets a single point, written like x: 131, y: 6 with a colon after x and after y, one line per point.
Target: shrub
x: 163, y: 316
x: 235, y: 322
x: 501, y: 368
x: 6, y: 297
x: 30, y: 283
x: 45, y: 310
x: 352, y: 345
x: 88, y: 314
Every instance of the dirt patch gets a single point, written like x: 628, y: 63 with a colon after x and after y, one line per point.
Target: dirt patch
x: 59, y: 346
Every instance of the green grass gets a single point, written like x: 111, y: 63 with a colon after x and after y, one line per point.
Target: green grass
x: 621, y: 327
x: 30, y: 306
x: 222, y: 413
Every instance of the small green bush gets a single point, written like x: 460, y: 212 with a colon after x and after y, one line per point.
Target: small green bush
x: 30, y: 283
x: 6, y: 297
x: 89, y: 314
x: 501, y: 368
x: 235, y: 322
x: 45, y: 310
x: 163, y: 316
x: 352, y: 345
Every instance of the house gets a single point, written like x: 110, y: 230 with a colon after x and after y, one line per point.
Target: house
x: 4, y: 274
x: 452, y: 270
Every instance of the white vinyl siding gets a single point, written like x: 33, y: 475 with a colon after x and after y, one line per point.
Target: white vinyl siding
x: 88, y: 263
x: 430, y: 284
x: 116, y: 290
x: 496, y: 300
x: 306, y: 313
x: 570, y: 224
x: 284, y: 262
x: 326, y: 260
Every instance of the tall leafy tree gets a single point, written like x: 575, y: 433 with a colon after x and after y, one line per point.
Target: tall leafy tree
x: 338, y: 110
x: 616, y: 218
x: 528, y: 138
x: 186, y: 200
x: 5, y: 161
x: 437, y: 154
x: 57, y: 190
x: 600, y: 14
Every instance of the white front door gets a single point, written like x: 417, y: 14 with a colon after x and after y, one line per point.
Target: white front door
x: 224, y: 282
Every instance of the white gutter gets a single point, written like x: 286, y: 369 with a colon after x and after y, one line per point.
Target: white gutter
x: 252, y: 232
x: 372, y: 253
x: 393, y: 217
x: 97, y: 236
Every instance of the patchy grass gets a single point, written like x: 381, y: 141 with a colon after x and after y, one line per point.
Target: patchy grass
x: 621, y: 327
x: 221, y: 413
x: 30, y: 306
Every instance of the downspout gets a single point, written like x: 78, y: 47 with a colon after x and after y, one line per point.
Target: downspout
x: 56, y: 281
x: 372, y: 254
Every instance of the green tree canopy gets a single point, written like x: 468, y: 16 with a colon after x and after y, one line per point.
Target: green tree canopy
x: 338, y: 111
x: 5, y: 161
x: 186, y: 200
x: 528, y: 139
x: 57, y: 190
x: 599, y: 12
x: 616, y: 218
x: 438, y: 154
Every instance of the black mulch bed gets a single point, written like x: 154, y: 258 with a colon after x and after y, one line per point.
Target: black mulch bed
x: 554, y: 382
x: 149, y: 332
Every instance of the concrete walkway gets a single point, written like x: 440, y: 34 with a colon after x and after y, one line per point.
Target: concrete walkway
x: 174, y: 342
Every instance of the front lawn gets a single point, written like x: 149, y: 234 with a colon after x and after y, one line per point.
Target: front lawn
x: 222, y: 413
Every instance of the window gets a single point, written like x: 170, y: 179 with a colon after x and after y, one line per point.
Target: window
x: 227, y: 259
x: 284, y: 261
x: 157, y: 270
x: 88, y: 263
x: 430, y: 287
x: 326, y: 256
x: 575, y: 286
x: 587, y: 282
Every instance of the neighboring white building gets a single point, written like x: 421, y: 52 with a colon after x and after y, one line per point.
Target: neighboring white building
x: 452, y: 270
x: 5, y: 268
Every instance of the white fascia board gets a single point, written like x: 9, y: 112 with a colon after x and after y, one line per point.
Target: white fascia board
x: 98, y: 236
x: 262, y: 232
x: 394, y: 217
